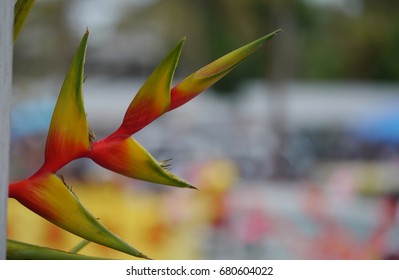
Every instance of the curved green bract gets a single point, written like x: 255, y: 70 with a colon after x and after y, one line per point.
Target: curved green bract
x: 17, y: 250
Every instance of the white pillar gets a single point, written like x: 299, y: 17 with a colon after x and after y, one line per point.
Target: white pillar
x: 6, y: 47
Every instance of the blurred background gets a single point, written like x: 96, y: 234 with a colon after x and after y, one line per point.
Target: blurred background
x: 295, y: 152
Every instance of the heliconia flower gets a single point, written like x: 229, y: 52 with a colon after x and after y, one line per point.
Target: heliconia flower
x: 47, y: 195
x: 70, y: 138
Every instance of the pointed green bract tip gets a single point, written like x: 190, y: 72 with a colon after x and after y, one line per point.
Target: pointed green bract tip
x: 163, y: 74
x: 181, y: 42
x: 227, y: 62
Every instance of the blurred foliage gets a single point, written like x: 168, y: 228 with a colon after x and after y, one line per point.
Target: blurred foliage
x: 322, y: 40
x: 343, y: 46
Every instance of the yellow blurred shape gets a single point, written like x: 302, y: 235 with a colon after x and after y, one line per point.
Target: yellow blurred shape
x: 217, y: 175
